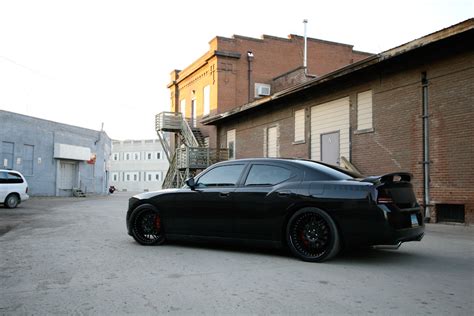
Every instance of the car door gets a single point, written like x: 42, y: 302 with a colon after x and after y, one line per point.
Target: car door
x: 4, y: 186
x: 263, y: 198
x: 207, y: 210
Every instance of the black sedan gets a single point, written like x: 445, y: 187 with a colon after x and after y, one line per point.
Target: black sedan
x: 313, y: 208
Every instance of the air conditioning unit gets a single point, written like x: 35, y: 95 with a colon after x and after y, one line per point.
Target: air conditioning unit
x: 262, y: 89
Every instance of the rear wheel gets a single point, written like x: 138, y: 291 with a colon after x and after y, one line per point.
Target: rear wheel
x: 147, y: 226
x: 12, y: 201
x: 312, y: 235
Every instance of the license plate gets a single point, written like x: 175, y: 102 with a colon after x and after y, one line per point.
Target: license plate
x: 414, y: 221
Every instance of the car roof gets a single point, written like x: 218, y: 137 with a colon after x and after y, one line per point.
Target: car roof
x: 10, y: 170
x: 297, y: 162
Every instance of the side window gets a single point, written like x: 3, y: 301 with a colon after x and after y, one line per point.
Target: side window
x: 223, y: 176
x: 14, y: 178
x: 267, y: 175
x: 3, y: 177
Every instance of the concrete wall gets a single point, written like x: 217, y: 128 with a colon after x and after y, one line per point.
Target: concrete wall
x: 43, y: 135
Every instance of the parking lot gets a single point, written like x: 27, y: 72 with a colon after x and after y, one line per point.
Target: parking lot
x: 73, y: 256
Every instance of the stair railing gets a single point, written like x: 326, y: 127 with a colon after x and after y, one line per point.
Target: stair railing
x: 188, y: 135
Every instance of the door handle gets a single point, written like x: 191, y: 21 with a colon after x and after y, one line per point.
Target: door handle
x: 284, y: 193
x: 224, y: 194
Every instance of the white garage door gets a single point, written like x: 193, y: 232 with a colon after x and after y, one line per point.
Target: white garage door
x: 328, y: 118
x: 67, y: 175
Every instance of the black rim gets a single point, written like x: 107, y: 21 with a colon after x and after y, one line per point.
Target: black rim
x: 310, y: 235
x: 147, y: 226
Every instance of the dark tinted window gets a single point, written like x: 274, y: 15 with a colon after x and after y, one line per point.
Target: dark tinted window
x: 323, y: 172
x: 3, y: 177
x: 221, y: 176
x: 10, y: 177
x: 267, y: 175
x: 14, y: 178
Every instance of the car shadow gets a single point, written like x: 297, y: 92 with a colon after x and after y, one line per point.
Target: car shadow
x: 359, y: 256
x: 231, y: 247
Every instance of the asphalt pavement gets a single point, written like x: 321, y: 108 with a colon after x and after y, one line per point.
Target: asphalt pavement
x: 73, y: 256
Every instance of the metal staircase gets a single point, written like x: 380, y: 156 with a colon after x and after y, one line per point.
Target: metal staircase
x: 190, y: 155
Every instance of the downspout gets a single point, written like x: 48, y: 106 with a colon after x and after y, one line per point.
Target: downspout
x: 305, y: 56
x: 426, y: 148
x: 249, y: 62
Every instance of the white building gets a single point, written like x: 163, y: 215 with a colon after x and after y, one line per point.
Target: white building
x: 138, y: 165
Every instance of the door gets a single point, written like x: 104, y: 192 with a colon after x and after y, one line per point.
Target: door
x: 231, y: 143
x: 4, y: 186
x: 67, y: 175
x: 263, y: 199
x: 330, y: 148
x: 208, y: 210
x: 272, y: 142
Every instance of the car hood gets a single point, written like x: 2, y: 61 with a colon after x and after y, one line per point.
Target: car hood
x: 148, y: 195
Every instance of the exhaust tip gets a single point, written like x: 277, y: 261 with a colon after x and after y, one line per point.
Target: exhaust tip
x: 388, y: 247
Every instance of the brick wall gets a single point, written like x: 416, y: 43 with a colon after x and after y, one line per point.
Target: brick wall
x: 396, y: 142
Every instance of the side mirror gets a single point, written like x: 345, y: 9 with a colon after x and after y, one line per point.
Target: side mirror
x: 190, y: 183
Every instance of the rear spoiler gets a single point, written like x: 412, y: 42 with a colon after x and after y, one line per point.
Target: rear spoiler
x: 389, y: 178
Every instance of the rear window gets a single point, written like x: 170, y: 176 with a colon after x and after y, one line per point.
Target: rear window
x: 324, y: 172
x: 14, y: 178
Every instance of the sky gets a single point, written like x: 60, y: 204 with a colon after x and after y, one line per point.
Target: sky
x: 86, y: 63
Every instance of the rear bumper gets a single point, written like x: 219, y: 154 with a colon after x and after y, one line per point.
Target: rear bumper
x: 402, y: 225
x: 24, y: 197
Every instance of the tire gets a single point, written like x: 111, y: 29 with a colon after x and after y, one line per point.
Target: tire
x: 312, y: 235
x: 146, y: 226
x: 12, y: 201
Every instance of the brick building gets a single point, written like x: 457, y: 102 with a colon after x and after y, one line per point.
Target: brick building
x: 240, y: 69
x: 378, y: 114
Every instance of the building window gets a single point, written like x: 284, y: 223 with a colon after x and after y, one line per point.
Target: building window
x: 193, y: 113
x: 207, y: 100
x: 135, y: 177
x: 128, y: 177
x: 148, y: 156
x: 271, y: 148
x: 182, y: 108
x: 136, y: 156
x: 153, y: 176
x: 299, y: 126
x: 28, y: 154
x: 364, y: 111
x: 7, y: 155
x: 127, y: 156
x: 158, y: 155
x: 206, y: 142
x: 115, y: 156
x: 231, y: 143
x: 115, y: 176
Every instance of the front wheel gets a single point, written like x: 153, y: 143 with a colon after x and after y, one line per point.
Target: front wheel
x: 312, y: 235
x: 147, y: 225
x: 12, y: 201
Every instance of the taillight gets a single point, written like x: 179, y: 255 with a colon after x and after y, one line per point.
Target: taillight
x: 384, y: 197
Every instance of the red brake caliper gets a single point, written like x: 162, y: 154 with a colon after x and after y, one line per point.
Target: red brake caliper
x: 303, y: 239
x: 157, y: 223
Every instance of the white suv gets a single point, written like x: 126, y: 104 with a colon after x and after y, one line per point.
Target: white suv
x: 13, y: 188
